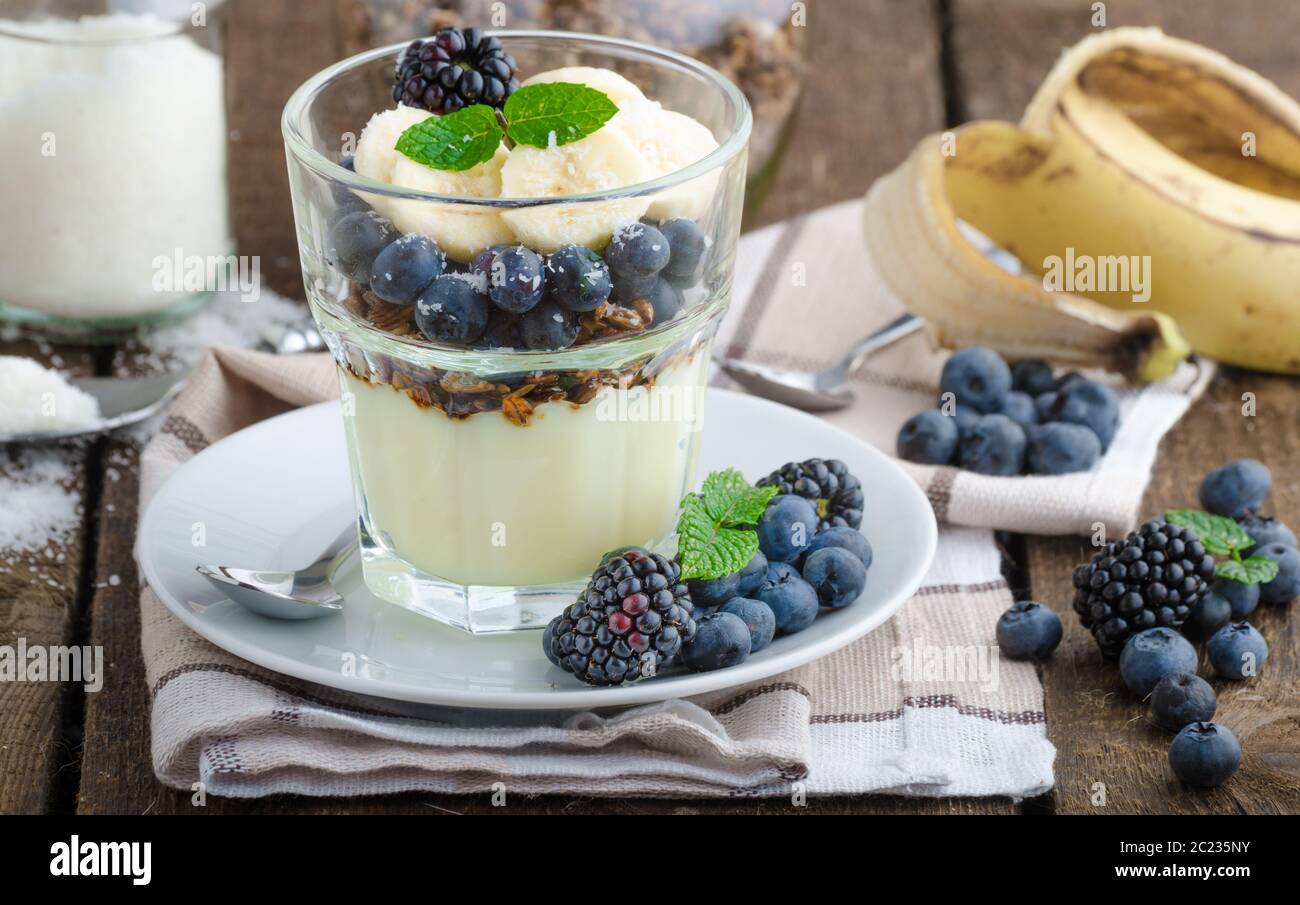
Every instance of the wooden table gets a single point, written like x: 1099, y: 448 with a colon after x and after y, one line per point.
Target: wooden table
x: 885, y: 73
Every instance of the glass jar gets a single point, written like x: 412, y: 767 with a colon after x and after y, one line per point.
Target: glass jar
x: 761, y: 45
x: 113, y: 136
x: 490, y: 478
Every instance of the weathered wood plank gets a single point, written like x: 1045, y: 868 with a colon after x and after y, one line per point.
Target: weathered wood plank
x: 38, y: 608
x: 1003, y: 48
x: 272, y: 47
x: 873, y: 90
x: 1101, y: 733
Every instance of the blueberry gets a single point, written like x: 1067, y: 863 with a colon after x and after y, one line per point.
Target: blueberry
x: 548, y: 327
x: 627, y: 290
x: 1032, y: 376
x: 977, y: 377
x: 793, y: 601
x: 1043, y: 403
x: 714, y: 591
x: 1236, y: 489
x: 686, y: 244
x: 928, y: 437
x: 403, y: 269
x: 758, y: 618
x: 1242, y: 598
x: 836, y: 574
x: 1069, y: 379
x: 1151, y: 655
x: 786, y: 528
x: 482, y: 262
x: 1207, y: 616
x: 996, y: 446
x: 666, y: 300
x: 1286, y: 586
x: 1237, y: 651
x: 451, y: 310
x: 1019, y: 407
x: 1205, y: 754
x: 1094, y: 405
x: 577, y: 278
x: 1181, y: 698
x: 517, y: 279
x: 850, y: 539
x: 1028, y: 631
x: 966, y: 418
x: 1267, y: 531
x: 502, y: 331
x: 356, y: 240
x: 1060, y: 448
x: 638, y: 250
x: 721, y: 640
x: 753, y: 574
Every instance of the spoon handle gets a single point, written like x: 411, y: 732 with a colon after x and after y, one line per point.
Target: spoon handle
x: 903, y: 325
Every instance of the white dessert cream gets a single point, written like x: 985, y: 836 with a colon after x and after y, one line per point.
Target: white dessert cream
x: 481, y: 500
x: 113, y: 138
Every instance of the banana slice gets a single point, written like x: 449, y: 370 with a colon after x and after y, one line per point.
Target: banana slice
x: 615, y: 87
x: 461, y: 230
x: 667, y: 142
x: 604, y: 160
x: 376, y: 154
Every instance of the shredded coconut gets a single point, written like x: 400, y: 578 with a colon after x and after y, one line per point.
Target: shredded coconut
x: 41, y: 507
x: 34, y: 399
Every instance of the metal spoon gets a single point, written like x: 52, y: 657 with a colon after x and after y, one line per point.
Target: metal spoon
x: 124, y: 401
x: 817, y: 391
x: 306, y: 594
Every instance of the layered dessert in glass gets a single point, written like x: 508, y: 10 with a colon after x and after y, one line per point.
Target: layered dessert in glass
x: 521, y: 329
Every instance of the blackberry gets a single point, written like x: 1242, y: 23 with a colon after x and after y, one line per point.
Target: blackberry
x: 827, y: 484
x: 631, y: 621
x: 453, y: 69
x: 1153, y: 577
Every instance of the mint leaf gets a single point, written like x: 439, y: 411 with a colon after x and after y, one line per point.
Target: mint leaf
x: 456, y: 141
x: 535, y: 113
x: 713, y: 539
x: 707, y: 550
x: 1254, y: 570
x: 1219, y: 535
x: 730, y: 500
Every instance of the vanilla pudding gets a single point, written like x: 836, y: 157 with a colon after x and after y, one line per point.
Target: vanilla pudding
x: 483, y: 500
x: 113, y: 138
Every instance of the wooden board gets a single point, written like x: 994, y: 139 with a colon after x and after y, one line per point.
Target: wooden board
x: 38, y: 608
x: 1001, y: 49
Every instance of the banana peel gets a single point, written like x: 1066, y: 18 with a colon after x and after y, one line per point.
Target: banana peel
x: 1129, y: 160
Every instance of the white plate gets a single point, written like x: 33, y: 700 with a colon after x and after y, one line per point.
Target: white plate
x: 274, y: 495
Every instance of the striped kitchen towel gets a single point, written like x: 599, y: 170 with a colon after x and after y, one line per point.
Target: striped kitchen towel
x: 922, y: 706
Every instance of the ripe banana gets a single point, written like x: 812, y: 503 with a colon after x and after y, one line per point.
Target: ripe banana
x: 604, y: 160
x: 1130, y: 154
x: 667, y: 142
x: 615, y: 87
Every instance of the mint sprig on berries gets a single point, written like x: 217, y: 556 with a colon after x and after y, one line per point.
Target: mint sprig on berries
x: 1224, y: 537
x: 554, y: 113
x: 715, y: 535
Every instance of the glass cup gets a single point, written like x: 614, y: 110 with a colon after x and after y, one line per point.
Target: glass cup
x: 113, y: 136
x: 491, y: 478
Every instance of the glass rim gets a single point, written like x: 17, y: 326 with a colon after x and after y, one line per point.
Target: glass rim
x: 303, y: 151
x: 168, y: 28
